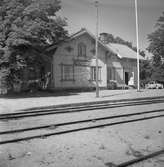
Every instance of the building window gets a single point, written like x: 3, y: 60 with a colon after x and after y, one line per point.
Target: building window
x: 111, y: 73
x: 81, y: 50
x: 93, y: 73
x: 67, y: 72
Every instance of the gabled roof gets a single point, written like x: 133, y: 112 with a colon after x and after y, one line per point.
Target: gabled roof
x: 122, y: 51
x: 85, y: 31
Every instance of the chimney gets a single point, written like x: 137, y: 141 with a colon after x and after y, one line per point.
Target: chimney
x: 104, y: 38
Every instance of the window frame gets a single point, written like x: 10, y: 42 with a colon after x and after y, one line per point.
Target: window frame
x: 63, y: 74
x: 93, y: 73
x: 82, y: 50
x: 112, y: 73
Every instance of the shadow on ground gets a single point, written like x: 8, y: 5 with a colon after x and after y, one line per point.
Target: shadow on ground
x: 38, y: 94
x: 49, y: 93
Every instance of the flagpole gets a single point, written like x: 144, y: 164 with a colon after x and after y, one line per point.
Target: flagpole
x: 97, y: 23
x: 138, y: 67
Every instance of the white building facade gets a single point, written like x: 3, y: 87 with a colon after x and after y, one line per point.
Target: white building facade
x: 74, y: 64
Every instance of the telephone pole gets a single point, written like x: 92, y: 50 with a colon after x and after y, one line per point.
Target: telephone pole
x: 97, y: 71
x: 138, y: 66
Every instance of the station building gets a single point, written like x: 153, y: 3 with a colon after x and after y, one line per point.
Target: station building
x: 74, y: 63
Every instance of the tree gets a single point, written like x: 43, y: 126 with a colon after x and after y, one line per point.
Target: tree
x: 27, y: 28
x: 156, y: 39
x: 145, y: 71
x: 156, y: 47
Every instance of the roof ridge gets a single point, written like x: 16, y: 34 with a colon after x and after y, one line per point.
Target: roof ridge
x: 81, y: 30
x: 110, y: 46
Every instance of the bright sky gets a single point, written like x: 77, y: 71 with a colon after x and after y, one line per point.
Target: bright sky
x: 115, y: 16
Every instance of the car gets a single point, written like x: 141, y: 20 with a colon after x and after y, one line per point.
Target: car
x: 154, y: 85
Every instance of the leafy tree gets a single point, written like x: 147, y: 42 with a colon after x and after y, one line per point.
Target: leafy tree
x: 27, y: 28
x: 110, y: 37
x: 156, y: 47
x: 145, y: 71
x: 142, y: 53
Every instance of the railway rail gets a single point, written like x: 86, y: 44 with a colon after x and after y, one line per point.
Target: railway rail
x: 86, y: 124
x: 82, y: 107
x: 141, y: 159
x: 15, y: 135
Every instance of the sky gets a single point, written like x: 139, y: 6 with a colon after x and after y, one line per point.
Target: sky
x: 116, y: 17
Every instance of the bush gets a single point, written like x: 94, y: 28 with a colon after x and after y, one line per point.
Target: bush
x: 112, y: 84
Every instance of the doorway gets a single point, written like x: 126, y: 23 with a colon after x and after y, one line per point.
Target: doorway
x: 126, y: 78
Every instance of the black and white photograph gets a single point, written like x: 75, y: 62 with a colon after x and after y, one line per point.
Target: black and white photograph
x: 81, y: 83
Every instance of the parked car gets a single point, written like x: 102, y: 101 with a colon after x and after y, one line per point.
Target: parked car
x: 154, y: 85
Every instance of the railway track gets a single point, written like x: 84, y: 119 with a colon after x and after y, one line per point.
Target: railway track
x: 81, y: 107
x: 17, y: 135
x: 140, y: 159
x: 44, y: 131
